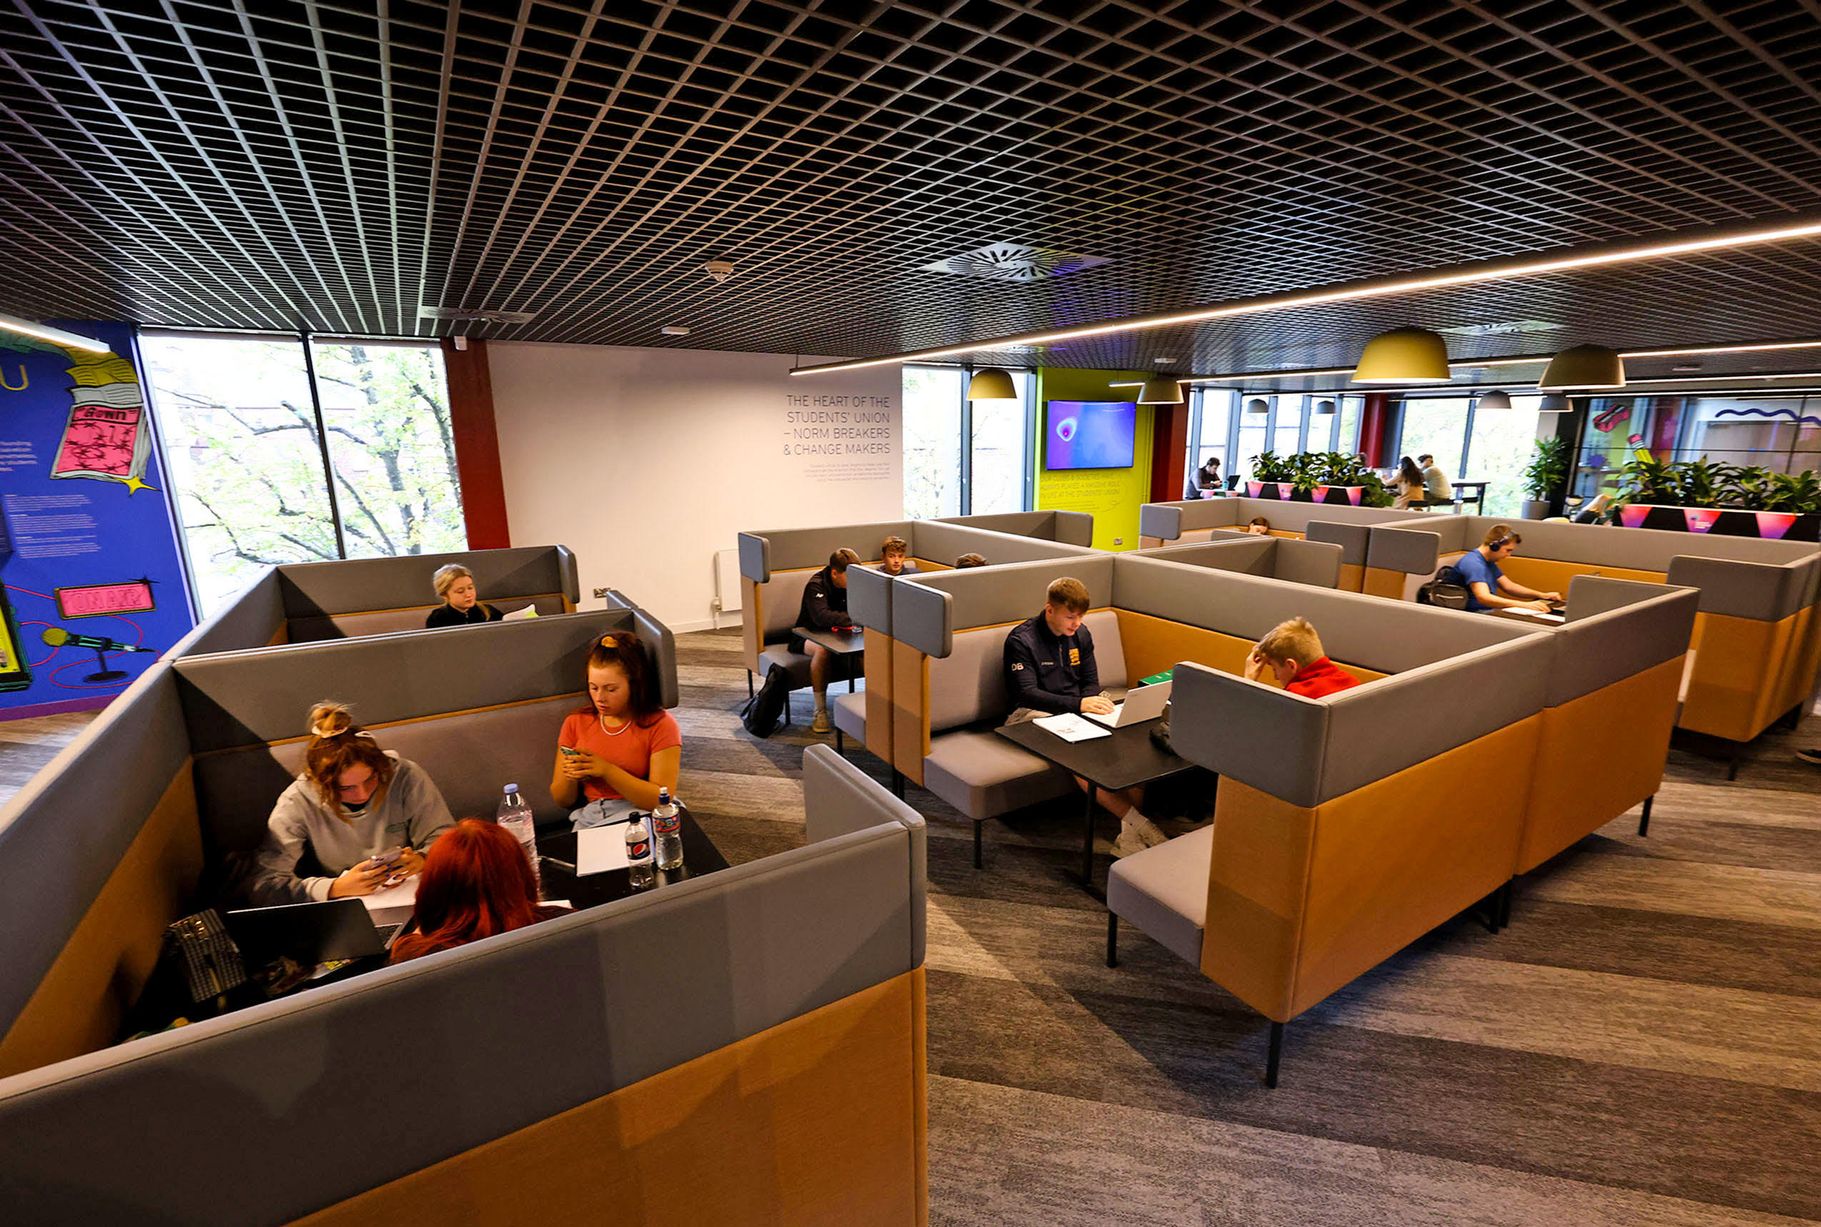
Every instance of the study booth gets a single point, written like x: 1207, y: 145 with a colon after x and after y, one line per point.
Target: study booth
x: 1756, y: 642
x: 1293, y: 560
x: 776, y: 565
x: 314, y: 601
x: 573, y: 1068
x: 1335, y: 523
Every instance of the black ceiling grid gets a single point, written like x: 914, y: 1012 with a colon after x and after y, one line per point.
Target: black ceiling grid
x: 226, y: 164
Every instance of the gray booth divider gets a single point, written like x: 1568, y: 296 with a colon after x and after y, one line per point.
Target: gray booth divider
x: 109, y: 843
x: 564, y: 1041
x: 1316, y: 563
x: 315, y: 601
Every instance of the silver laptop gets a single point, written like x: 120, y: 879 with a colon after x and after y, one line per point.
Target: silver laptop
x: 1144, y: 703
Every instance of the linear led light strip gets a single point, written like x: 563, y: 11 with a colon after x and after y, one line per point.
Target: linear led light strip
x: 56, y: 336
x: 1532, y: 360
x: 1371, y: 289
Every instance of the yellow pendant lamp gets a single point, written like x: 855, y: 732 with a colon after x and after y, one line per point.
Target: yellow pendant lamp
x: 991, y: 383
x: 1163, y: 390
x: 1584, y: 366
x: 1404, y: 355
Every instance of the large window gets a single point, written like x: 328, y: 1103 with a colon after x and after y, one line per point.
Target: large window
x: 1237, y: 426
x: 1437, y: 426
x: 245, y: 452
x: 964, y: 457
x: 1499, y: 447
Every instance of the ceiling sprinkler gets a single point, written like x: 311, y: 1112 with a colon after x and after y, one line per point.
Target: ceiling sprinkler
x: 718, y: 270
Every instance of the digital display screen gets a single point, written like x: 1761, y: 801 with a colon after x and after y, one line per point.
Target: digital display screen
x: 106, y: 600
x: 1089, y: 434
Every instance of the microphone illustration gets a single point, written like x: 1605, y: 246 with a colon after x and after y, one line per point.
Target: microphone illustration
x: 57, y: 637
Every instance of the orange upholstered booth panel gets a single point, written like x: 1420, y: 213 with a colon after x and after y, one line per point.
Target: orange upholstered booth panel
x: 1301, y: 900
x: 1599, y: 755
x: 1733, y: 687
x: 820, y: 1120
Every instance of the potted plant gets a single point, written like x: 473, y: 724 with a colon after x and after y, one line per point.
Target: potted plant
x: 1705, y: 496
x: 1545, y: 477
x: 1269, y: 471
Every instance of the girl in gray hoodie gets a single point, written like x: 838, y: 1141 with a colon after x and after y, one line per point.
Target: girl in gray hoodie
x: 354, y: 805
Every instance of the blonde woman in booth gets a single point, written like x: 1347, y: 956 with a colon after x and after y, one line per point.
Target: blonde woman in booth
x: 615, y: 754
x: 461, y: 602
x: 363, y: 813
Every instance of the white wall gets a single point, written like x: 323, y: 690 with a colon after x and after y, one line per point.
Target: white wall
x: 646, y: 462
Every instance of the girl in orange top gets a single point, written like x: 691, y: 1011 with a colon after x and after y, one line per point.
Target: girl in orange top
x: 616, y: 753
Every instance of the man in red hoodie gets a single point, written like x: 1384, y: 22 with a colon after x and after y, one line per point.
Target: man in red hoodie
x: 1292, y: 652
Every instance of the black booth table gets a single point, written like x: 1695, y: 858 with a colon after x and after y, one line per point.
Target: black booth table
x: 166, y: 999
x: 1125, y: 759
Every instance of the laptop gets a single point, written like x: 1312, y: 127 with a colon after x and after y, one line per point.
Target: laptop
x: 1144, y: 703
x: 307, y: 933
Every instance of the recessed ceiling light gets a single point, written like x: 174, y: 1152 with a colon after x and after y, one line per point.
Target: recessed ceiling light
x: 675, y: 330
x: 1500, y: 270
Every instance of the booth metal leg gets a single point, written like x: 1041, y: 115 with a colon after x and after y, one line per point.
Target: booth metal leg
x: 1112, y: 939
x: 977, y: 826
x: 1275, y: 1054
x: 1087, y: 842
x: 1505, y: 898
x: 1644, y: 819
x: 749, y: 687
x: 840, y: 746
x: 897, y: 784
x: 1732, y: 764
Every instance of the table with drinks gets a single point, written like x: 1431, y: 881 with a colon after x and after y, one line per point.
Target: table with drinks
x: 651, y: 860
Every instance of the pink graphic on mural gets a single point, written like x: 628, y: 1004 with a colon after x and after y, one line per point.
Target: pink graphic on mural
x: 1699, y: 519
x: 106, y: 600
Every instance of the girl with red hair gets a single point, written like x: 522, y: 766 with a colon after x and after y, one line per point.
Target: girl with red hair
x: 476, y: 883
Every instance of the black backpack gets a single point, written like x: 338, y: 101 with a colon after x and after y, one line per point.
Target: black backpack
x: 764, y: 712
x: 1448, y: 590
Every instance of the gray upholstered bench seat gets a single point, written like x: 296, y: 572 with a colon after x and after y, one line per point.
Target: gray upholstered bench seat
x: 849, y: 711
x: 983, y: 775
x: 1164, y: 891
x: 795, y: 663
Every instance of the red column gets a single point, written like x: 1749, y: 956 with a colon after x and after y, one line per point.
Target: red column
x: 1169, y: 450
x: 477, y: 445
x: 1374, y: 426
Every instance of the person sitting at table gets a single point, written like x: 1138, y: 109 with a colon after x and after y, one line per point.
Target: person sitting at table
x: 1408, y: 485
x: 616, y: 752
x: 1292, y: 653
x: 1258, y: 526
x: 461, y: 603
x: 1203, y: 481
x: 1435, y: 482
x: 824, y: 608
x: 894, y: 553
x: 352, y: 805
x: 476, y: 882
x: 1050, y: 669
x: 970, y: 560
x: 1487, y: 586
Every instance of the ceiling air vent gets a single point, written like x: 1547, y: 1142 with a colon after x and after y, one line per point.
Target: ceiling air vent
x: 476, y: 315
x: 1013, y: 262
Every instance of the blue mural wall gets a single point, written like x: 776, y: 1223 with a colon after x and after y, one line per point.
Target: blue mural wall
x: 89, y: 562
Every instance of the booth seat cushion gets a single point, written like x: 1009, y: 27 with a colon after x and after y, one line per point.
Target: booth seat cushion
x: 795, y: 663
x: 1164, y: 891
x: 780, y: 600
x: 983, y: 775
x: 849, y: 711
x: 471, y: 757
x: 968, y: 685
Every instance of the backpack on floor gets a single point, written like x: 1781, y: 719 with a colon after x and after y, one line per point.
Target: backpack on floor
x: 1448, y: 590
x: 765, y: 710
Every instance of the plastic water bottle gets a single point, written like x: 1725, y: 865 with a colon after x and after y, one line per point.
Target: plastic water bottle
x: 515, y: 816
x: 667, y: 832
x: 638, y: 852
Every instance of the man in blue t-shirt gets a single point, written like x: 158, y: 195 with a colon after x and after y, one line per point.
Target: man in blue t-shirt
x: 1487, y: 587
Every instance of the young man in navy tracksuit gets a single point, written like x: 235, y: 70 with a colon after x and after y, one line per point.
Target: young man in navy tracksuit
x: 1050, y: 669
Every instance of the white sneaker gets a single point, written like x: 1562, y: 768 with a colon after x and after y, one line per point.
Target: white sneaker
x: 1129, y: 841
x: 821, y: 724
x: 1142, y: 829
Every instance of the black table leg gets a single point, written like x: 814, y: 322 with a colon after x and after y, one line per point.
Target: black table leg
x: 1087, y: 841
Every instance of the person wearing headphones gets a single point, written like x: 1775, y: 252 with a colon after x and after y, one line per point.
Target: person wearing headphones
x: 1487, y: 586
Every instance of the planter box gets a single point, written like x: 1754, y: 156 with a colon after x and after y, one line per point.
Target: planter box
x: 1339, y: 496
x: 1724, y: 522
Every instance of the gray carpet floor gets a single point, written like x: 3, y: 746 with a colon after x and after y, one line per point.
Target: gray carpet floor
x: 1641, y: 1045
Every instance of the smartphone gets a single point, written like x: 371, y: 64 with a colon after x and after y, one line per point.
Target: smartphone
x: 386, y: 859
x: 569, y: 751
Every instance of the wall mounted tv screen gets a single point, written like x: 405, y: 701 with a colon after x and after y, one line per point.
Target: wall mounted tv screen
x: 1089, y: 434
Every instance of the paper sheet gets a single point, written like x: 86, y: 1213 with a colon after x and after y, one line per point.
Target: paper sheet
x: 1070, y: 727
x: 529, y: 611
x: 393, y: 903
x: 599, y: 849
